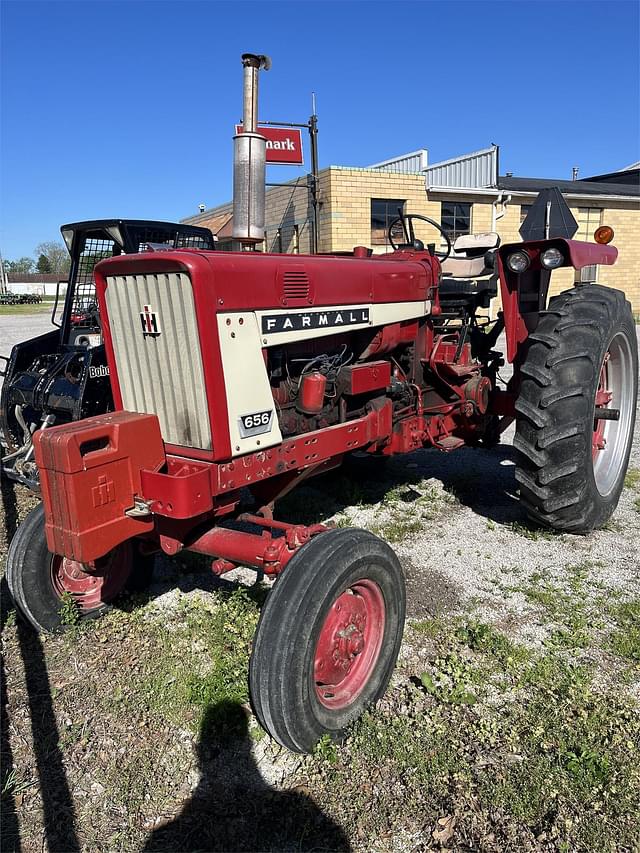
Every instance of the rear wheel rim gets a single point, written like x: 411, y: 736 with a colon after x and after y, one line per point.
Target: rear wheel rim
x: 610, y: 439
x: 349, y: 644
x: 92, y: 584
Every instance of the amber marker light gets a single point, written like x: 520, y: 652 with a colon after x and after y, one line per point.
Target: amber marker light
x: 603, y: 234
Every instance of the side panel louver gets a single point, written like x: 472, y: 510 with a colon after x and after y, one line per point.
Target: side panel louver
x: 296, y: 288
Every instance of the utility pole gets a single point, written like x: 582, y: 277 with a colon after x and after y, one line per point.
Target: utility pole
x: 312, y: 176
x: 313, y: 135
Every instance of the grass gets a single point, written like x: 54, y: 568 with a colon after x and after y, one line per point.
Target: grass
x: 404, y: 510
x: 69, y: 612
x: 632, y: 478
x: 530, y: 531
x: 199, y: 661
x: 516, y: 743
x: 511, y: 747
x: 535, y: 754
x: 624, y: 639
x: 585, y: 614
x: 15, y: 310
x: 572, y: 612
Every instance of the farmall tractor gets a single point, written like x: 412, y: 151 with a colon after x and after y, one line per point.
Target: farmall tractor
x: 238, y: 375
x: 63, y: 375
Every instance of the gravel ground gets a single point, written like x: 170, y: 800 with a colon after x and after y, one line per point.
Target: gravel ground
x: 21, y: 327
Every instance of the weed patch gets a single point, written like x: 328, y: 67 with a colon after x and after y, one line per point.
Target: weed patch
x: 537, y: 756
x: 69, y: 611
x: 531, y: 531
x: 632, y: 478
x: 198, y: 660
x: 624, y: 639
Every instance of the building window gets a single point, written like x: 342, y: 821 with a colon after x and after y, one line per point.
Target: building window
x: 383, y: 212
x: 455, y: 218
x: 524, y: 211
x: 589, y: 218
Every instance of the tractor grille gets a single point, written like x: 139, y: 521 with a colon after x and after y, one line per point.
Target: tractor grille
x: 157, y: 351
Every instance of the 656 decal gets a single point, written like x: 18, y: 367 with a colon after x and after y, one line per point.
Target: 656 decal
x: 256, y: 423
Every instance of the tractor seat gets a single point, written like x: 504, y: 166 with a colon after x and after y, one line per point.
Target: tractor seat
x: 467, y: 258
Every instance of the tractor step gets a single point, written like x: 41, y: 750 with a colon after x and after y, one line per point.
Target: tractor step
x: 449, y: 443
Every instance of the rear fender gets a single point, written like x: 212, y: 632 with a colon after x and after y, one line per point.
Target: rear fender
x: 524, y: 295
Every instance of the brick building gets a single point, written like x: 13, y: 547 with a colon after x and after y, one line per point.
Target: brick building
x: 466, y: 194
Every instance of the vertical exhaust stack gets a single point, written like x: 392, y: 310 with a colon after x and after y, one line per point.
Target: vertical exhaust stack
x: 249, y: 158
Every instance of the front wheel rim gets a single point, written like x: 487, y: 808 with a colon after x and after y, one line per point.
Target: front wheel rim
x: 349, y: 644
x: 91, y: 584
x: 610, y: 439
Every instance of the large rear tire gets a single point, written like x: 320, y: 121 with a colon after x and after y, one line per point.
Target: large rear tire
x: 38, y: 579
x: 580, y: 363
x: 328, y: 638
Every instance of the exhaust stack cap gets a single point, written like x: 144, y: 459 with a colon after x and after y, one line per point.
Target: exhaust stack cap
x: 257, y: 60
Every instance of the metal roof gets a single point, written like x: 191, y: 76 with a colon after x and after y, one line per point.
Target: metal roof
x: 414, y: 161
x: 574, y: 187
x: 474, y: 170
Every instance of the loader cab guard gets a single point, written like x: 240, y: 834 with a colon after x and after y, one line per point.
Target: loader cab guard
x: 92, y: 241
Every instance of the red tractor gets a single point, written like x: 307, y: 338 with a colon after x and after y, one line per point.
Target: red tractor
x: 239, y: 375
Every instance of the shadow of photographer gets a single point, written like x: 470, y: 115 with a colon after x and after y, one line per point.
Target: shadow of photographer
x: 234, y: 809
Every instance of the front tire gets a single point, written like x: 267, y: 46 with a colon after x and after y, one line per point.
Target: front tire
x: 328, y: 638
x: 581, y: 361
x: 38, y: 579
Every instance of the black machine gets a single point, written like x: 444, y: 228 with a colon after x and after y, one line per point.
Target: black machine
x: 62, y: 376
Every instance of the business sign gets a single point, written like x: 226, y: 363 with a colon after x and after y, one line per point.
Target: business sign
x: 284, y: 144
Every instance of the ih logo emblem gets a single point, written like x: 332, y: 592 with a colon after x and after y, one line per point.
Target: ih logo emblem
x: 150, y: 324
x: 103, y: 493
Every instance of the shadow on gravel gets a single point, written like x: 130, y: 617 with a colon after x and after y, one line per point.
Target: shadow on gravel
x: 9, y: 508
x: 57, y: 803
x: 483, y: 480
x: 234, y: 809
x: 10, y: 834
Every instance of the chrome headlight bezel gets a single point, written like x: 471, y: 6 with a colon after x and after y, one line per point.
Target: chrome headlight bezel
x: 552, y: 259
x: 521, y: 256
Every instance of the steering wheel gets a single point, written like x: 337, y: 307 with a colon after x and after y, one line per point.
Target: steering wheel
x: 407, y: 227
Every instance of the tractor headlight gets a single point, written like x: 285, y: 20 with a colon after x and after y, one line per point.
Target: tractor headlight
x: 518, y: 261
x: 551, y: 259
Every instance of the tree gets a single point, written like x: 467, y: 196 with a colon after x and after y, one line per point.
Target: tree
x: 44, y: 264
x: 57, y: 256
x: 22, y: 265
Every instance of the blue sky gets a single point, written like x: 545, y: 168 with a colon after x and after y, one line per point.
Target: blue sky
x: 127, y: 108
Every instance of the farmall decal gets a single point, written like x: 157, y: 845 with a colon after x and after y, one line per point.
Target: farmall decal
x: 150, y: 324
x: 316, y: 320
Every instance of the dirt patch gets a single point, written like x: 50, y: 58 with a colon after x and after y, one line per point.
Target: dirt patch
x: 429, y: 592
